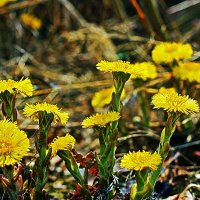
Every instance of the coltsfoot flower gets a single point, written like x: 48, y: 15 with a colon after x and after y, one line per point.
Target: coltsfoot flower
x: 32, y: 111
x: 167, y: 90
x: 62, y: 143
x: 188, y: 71
x: 144, y: 71
x: 166, y: 52
x: 117, y: 66
x: 100, y: 119
x: 24, y: 87
x: 104, y: 97
x: 31, y: 21
x: 173, y: 102
x: 4, y: 2
x: 141, y: 160
x: 14, y: 143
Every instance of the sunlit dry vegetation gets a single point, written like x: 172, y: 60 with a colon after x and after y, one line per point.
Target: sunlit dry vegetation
x: 99, y: 99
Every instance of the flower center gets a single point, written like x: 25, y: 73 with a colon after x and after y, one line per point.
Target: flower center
x: 171, y: 48
x: 5, y: 148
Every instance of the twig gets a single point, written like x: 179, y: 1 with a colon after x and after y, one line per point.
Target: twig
x: 190, y: 34
x: 185, y: 145
x: 182, y: 6
x: 192, y: 185
x: 74, y: 12
x: 20, y: 5
x: 140, y: 13
x: 118, y: 6
x: 75, y: 86
x: 186, y: 167
x: 139, y: 133
x: 134, y: 38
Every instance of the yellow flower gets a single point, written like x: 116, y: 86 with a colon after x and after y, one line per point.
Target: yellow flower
x: 144, y: 70
x: 31, y: 111
x: 62, y: 143
x: 100, y: 119
x: 166, y: 90
x: 4, y: 2
x: 117, y: 66
x: 188, y: 71
x: 14, y: 143
x: 31, y: 21
x: 141, y: 160
x: 173, y: 102
x: 166, y: 52
x: 104, y: 97
x: 24, y: 87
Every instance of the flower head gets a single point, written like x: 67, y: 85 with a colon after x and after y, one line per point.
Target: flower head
x: 4, y: 2
x: 173, y: 102
x: 62, y: 143
x: 144, y: 70
x: 188, y: 71
x: 24, y: 87
x: 166, y: 52
x: 32, y: 111
x: 167, y: 90
x: 141, y: 160
x: 31, y: 21
x: 100, y: 119
x: 14, y: 143
x: 117, y: 66
x: 104, y: 97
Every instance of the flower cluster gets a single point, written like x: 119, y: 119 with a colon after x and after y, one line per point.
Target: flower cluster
x: 166, y: 90
x: 14, y: 143
x: 32, y: 111
x: 141, y: 160
x: 188, y: 71
x: 117, y: 66
x: 166, y: 52
x: 31, y: 21
x: 104, y: 97
x: 100, y: 119
x: 62, y: 143
x: 24, y: 87
x: 144, y: 70
x: 4, y: 2
x: 173, y: 102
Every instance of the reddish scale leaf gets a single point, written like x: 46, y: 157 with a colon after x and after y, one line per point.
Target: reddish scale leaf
x: 90, y: 156
x: 77, y: 194
x: 83, y: 160
x: 94, y: 170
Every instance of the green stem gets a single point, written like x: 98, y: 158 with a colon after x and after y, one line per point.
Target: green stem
x: 141, y: 179
x: 73, y: 168
x: 103, y: 160
x: 107, y: 159
x: 143, y: 185
x: 108, y: 137
x: 42, y: 161
x: 119, y: 83
x: 144, y: 106
x: 164, y: 145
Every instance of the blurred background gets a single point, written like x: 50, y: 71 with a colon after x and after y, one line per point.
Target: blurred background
x: 57, y: 44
